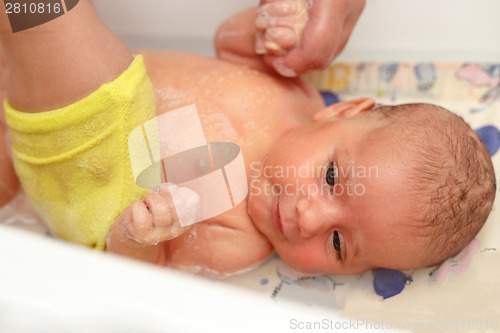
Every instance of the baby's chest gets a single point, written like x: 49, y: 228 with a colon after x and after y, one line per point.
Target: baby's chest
x: 225, y: 243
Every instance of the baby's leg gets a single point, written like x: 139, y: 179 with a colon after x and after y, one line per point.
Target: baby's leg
x: 61, y: 61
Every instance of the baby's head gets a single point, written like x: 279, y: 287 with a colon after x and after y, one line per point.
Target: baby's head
x: 398, y: 187
x: 450, y: 175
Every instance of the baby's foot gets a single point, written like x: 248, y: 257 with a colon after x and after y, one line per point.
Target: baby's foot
x: 153, y: 220
x: 280, y: 24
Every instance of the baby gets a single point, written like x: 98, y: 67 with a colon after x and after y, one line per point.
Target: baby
x: 339, y: 190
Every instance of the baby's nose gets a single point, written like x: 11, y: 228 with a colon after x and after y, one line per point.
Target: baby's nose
x: 311, y: 217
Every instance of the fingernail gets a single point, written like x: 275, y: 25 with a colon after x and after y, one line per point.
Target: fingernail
x: 274, y: 48
x: 260, y: 43
x: 279, y: 66
x: 284, y: 37
x: 261, y: 21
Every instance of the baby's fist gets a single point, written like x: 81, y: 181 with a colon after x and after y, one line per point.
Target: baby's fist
x: 155, y: 220
x: 280, y: 24
x: 311, y: 32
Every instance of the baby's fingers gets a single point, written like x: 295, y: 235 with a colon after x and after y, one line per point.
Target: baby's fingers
x: 276, y: 14
x: 152, y: 220
x: 278, y: 40
x: 280, y: 25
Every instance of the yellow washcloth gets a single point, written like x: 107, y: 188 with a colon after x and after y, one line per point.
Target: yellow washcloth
x: 74, y: 163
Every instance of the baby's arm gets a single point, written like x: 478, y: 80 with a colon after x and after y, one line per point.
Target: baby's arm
x: 293, y: 36
x: 235, y: 40
x: 149, y: 230
x: 61, y: 61
x: 274, y: 27
x: 305, y: 43
x: 143, y: 227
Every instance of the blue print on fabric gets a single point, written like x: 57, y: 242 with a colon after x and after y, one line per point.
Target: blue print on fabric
x: 426, y: 76
x: 491, y: 138
x: 329, y: 98
x: 388, y: 282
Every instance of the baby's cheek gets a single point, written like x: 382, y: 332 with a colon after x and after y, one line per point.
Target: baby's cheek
x: 305, y: 257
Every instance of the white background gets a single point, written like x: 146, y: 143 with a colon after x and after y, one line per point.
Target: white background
x: 438, y: 30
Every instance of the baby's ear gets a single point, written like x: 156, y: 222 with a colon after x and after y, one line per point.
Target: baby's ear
x: 345, y: 109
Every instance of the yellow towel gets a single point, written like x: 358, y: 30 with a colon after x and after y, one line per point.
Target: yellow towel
x: 74, y: 163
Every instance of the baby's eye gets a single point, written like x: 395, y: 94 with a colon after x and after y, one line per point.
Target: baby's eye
x: 331, y: 174
x: 336, y: 243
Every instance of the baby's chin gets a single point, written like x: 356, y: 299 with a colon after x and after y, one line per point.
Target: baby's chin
x: 250, y: 207
x: 255, y: 209
x: 332, y: 270
x: 258, y: 203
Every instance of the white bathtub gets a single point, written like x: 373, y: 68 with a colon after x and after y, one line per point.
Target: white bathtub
x: 50, y: 286
x: 47, y: 285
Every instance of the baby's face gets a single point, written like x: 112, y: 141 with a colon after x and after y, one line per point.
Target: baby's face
x: 332, y: 197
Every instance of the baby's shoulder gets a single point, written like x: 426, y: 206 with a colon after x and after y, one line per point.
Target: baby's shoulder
x: 223, y: 87
x: 225, y: 244
x: 168, y: 67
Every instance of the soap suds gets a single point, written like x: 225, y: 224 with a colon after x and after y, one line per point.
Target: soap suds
x: 186, y: 203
